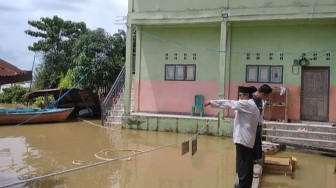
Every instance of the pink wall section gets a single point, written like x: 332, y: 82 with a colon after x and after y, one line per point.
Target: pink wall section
x: 172, y: 96
x: 178, y: 97
x: 332, y: 104
x: 294, y: 99
x: 293, y: 96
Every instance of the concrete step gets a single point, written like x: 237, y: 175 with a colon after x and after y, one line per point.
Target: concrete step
x: 117, y: 112
x: 109, y: 119
x: 302, y: 133
x: 119, y: 106
x: 308, y: 135
x: 114, y: 119
x: 324, y: 145
x: 112, y: 123
x: 300, y: 126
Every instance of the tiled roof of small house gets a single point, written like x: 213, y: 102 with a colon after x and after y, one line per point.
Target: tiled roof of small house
x: 11, y: 74
x: 7, y: 69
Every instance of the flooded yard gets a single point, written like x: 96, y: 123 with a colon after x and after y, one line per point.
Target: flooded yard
x: 29, y: 151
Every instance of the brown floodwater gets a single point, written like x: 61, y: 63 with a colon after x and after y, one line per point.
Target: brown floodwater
x: 30, y: 151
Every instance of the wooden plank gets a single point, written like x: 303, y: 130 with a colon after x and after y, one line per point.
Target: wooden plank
x: 185, y: 147
x: 279, y: 165
x: 277, y: 160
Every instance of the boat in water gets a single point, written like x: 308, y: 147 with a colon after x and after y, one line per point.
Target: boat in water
x: 33, y: 115
x: 85, y: 101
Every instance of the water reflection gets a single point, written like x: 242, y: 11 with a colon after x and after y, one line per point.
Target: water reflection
x: 34, y: 150
x: 314, y: 170
x: 15, y: 154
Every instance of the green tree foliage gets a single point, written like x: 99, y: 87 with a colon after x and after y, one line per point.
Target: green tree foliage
x: 47, y: 74
x: 87, y: 51
x: 56, y: 34
x: 14, y: 94
x: 39, y: 101
x: 66, y: 81
x: 57, y: 39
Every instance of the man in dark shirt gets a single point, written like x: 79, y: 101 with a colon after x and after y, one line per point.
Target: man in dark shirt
x: 259, y: 97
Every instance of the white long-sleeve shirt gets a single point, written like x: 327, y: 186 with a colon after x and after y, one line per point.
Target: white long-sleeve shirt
x: 245, y: 121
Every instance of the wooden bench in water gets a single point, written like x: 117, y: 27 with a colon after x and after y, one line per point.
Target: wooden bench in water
x: 272, y: 164
x: 267, y: 147
x: 279, y: 165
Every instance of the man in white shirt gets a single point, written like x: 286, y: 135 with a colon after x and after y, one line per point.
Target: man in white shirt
x: 244, y: 132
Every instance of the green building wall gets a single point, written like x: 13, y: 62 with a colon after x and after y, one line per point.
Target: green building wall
x: 157, y: 42
x: 292, y: 40
x: 260, y: 26
x: 239, y: 5
x: 193, y: 45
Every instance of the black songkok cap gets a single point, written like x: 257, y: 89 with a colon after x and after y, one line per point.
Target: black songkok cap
x: 243, y: 89
x: 254, y: 89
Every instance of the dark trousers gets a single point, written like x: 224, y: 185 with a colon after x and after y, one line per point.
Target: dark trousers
x: 257, y: 148
x: 244, y: 166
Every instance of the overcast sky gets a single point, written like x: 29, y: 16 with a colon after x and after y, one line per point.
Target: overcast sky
x: 14, y: 16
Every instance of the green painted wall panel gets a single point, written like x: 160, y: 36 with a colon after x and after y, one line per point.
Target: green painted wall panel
x: 282, y: 3
x: 213, y: 128
x: 167, y: 125
x: 179, y: 5
x: 291, y: 40
x: 187, y: 126
x: 175, y: 5
x: 152, y: 123
x: 156, y: 42
x: 183, y: 125
x: 226, y: 128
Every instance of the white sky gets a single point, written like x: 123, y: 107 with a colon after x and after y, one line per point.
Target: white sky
x: 14, y: 16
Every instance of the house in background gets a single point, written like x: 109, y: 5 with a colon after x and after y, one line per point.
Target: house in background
x: 185, y: 48
x: 10, y: 74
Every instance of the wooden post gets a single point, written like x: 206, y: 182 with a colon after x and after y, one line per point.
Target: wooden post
x: 286, y: 105
x: 46, y: 100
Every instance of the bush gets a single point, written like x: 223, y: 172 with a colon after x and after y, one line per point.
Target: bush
x: 39, y: 101
x: 66, y: 81
x: 14, y: 94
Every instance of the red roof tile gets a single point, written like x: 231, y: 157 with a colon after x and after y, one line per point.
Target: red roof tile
x: 11, y: 74
x: 7, y: 69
